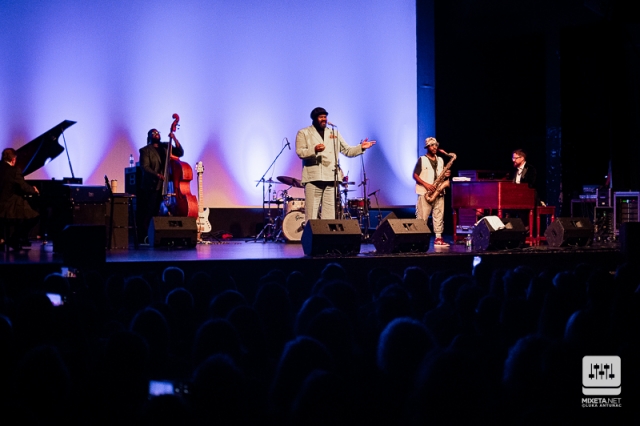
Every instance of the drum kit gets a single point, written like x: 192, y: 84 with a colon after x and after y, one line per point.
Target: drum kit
x: 354, y: 208
x: 288, y: 224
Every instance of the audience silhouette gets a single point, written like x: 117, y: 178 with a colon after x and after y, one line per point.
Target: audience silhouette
x: 501, y: 346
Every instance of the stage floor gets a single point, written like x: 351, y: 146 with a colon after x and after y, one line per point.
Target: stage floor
x: 253, y: 259
x: 248, y: 249
x: 236, y: 249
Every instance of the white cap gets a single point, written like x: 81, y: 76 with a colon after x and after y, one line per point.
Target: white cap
x: 430, y: 141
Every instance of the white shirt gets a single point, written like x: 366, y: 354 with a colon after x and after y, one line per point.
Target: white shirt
x: 520, y: 170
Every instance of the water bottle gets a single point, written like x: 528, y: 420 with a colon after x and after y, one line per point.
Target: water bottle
x: 131, y: 163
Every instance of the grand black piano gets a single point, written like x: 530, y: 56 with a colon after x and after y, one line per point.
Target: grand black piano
x: 56, y: 200
x: 42, y: 149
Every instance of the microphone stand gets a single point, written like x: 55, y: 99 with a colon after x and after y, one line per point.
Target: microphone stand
x: 270, y: 225
x: 272, y: 163
x: 365, y: 223
x: 109, y: 237
x: 337, y: 204
x: 375, y: 194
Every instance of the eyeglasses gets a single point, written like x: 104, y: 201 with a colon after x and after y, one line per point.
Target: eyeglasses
x: 515, y: 158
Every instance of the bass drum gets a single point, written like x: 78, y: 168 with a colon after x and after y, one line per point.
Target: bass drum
x: 292, y: 225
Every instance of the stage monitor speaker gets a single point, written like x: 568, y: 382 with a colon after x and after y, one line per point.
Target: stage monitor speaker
x: 331, y: 236
x: 488, y: 234
x: 391, y: 215
x: 401, y: 236
x: 82, y: 245
x: 569, y: 231
x: 173, y: 231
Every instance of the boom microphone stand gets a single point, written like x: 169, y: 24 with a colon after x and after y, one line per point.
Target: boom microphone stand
x: 375, y: 194
x: 268, y: 231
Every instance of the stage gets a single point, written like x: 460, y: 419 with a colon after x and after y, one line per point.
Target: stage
x: 248, y: 260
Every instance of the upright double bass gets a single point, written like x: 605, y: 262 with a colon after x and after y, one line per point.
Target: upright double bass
x: 177, y: 199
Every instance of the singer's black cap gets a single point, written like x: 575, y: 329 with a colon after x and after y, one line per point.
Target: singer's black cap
x: 318, y: 111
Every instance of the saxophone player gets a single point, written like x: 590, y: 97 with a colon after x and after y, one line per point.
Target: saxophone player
x: 427, y: 170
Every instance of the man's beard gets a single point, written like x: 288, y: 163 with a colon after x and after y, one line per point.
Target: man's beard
x: 318, y: 125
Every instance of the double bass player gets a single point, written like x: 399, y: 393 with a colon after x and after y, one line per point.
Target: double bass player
x: 152, y: 161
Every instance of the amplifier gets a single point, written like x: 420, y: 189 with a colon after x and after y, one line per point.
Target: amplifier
x: 86, y: 194
x: 132, y: 178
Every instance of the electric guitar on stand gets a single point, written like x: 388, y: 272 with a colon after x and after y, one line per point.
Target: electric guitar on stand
x: 204, y: 226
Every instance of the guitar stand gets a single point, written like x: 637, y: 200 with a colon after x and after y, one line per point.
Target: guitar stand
x: 206, y: 238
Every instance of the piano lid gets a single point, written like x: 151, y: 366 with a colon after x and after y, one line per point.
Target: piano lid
x: 35, y: 154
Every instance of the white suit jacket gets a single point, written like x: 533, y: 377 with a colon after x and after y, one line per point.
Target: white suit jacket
x: 319, y: 166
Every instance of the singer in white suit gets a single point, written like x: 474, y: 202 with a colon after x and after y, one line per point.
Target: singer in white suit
x: 316, y: 145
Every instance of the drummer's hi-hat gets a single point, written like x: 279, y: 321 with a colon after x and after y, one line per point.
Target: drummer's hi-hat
x: 290, y: 181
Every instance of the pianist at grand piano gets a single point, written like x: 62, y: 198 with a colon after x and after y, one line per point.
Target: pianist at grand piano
x: 16, y: 214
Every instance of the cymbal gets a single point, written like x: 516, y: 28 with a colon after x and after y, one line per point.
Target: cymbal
x: 290, y: 181
x: 347, y: 183
x: 268, y: 181
x: 347, y: 190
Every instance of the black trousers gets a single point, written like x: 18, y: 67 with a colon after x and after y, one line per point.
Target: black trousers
x: 147, y: 206
x: 15, y: 230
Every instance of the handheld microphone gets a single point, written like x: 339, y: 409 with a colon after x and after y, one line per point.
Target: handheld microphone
x: 442, y: 151
x: 373, y: 193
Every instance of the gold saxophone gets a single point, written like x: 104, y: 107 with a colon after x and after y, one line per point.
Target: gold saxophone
x: 440, y: 183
